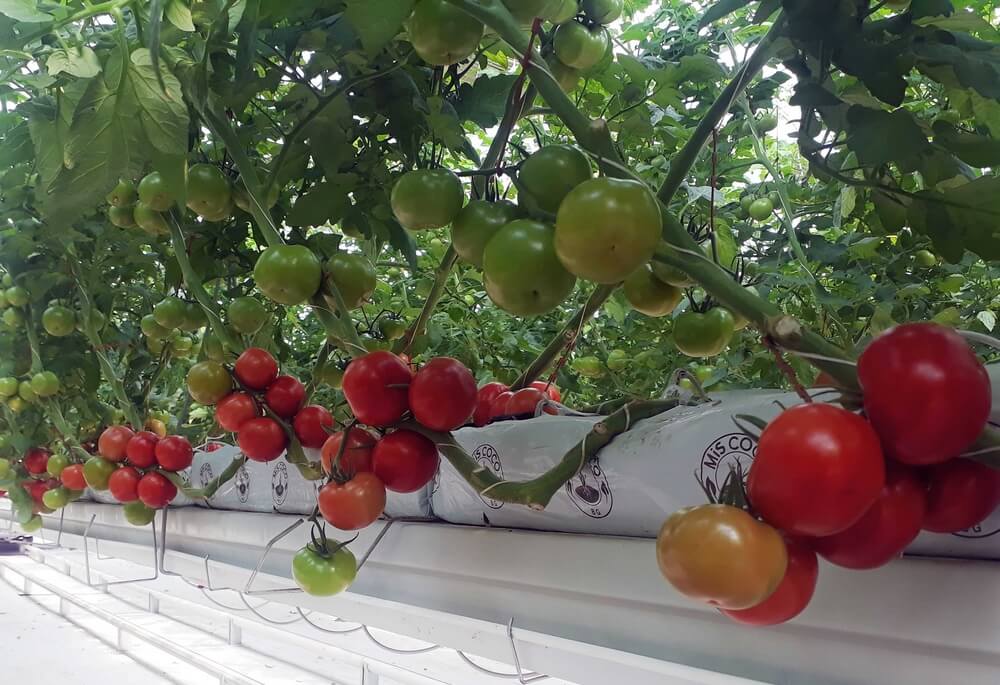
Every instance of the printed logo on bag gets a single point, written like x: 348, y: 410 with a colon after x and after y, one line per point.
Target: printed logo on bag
x: 243, y: 484
x: 724, y: 456
x: 590, y: 491
x: 980, y: 531
x: 205, y: 474
x: 487, y: 457
x: 279, y: 483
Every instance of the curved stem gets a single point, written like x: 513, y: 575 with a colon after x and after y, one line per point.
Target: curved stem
x: 537, y: 492
x: 29, y: 330
x: 567, y: 333
x: 433, y: 297
x: 195, y: 287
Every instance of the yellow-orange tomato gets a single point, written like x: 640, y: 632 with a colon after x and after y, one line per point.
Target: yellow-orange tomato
x: 721, y: 555
x: 156, y: 426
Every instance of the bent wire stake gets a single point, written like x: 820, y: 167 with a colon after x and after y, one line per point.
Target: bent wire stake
x: 51, y: 545
x: 260, y: 563
x: 305, y: 618
x: 529, y: 677
x: 524, y: 678
x: 106, y: 583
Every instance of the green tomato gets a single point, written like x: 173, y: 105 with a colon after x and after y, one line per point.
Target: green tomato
x: 122, y: 217
x: 154, y: 194
x: 427, y: 198
x: 703, y: 335
x: 3, y: 300
x: 925, y: 258
x: 588, y: 367
x: 353, y: 275
x: 374, y: 344
x: 548, y: 175
x: 151, y: 329
x: 521, y: 271
x: 8, y: 386
x: 288, y: 274
x: 562, y: 11
x: 391, y: 329
x: 97, y: 471
x: 326, y: 574
x: 579, y: 47
x: 761, y: 209
x: 13, y: 318
x: 952, y: 283
x: 247, y: 315
x: 138, y: 514
x: 45, y: 384
x: 17, y: 296
x: 212, y: 347
x: 443, y: 34
x: 194, y: 317
x: 123, y: 194
x: 6, y: 280
x: 607, y: 228
x: 32, y: 524
x: 243, y: 200
x: 26, y: 392
x: 208, y: 191
x: 181, y: 346
x: 58, y: 321
x: 525, y: 11
x: 767, y: 123
x: 5, y: 463
x: 149, y: 220
x: 775, y: 197
x: 97, y: 318
x: 617, y: 360
x: 567, y: 77
x: 745, y: 203
x: 950, y: 316
x: 476, y: 224
x: 649, y: 295
x: 16, y: 404
x: 602, y: 11
x: 208, y: 382
x: 170, y: 312
x: 56, y: 464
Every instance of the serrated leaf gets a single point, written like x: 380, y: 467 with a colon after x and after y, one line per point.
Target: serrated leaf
x: 81, y: 62
x: 878, y: 137
x: 179, y: 14
x: 483, y: 101
x: 324, y: 203
x: 377, y: 21
x: 161, y: 111
x: 23, y: 10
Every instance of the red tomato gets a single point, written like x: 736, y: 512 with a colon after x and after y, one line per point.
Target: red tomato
x: 36, y: 488
x: 213, y: 446
x: 113, y: 442
x: 262, y: 439
x: 443, y: 394
x: 36, y: 460
x: 484, y: 402
x: 234, y: 409
x: 525, y: 402
x: 793, y: 594
x: 285, y: 396
x: 174, y: 453
x: 124, y: 484
x: 549, y: 389
x: 141, y: 449
x: 155, y: 491
x: 499, y: 405
x: 961, y: 494
x: 376, y: 387
x: 887, y: 527
x: 355, y: 504
x: 310, y: 425
x: 256, y: 368
x: 72, y: 477
x: 818, y: 468
x: 357, y: 455
x: 925, y: 392
x: 405, y: 461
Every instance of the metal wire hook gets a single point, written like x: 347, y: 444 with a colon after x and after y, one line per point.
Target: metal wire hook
x: 497, y: 674
x: 260, y: 563
x: 106, y: 583
x: 262, y: 616
x: 394, y: 650
x: 328, y: 630
x: 524, y: 678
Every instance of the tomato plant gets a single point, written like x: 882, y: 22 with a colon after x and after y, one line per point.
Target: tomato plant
x: 208, y: 382
x: 124, y: 483
x: 311, y: 424
x: 174, y: 453
x: 141, y: 449
x: 521, y: 271
x: 155, y: 491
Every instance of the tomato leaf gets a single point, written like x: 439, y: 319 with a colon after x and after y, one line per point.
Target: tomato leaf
x: 720, y: 9
x: 23, y: 10
x: 878, y: 137
x: 377, y: 21
x: 325, y: 202
x: 81, y: 62
x: 179, y: 14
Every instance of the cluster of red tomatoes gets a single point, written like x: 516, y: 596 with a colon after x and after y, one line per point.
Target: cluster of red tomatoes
x: 854, y: 489
x: 131, y: 467
x: 41, y: 481
x: 495, y: 401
